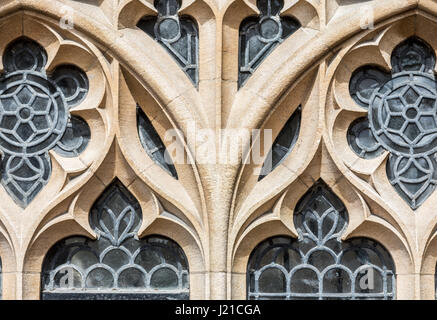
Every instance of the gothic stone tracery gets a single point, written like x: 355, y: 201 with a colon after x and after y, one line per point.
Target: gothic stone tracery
x: 264, y: 64
x: 34, y: 118
x: 402, y: 119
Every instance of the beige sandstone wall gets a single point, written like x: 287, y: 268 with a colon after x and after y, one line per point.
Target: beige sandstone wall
x: 220, y: 210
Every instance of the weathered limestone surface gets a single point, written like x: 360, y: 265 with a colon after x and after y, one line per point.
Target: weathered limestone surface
x: 221, y: 211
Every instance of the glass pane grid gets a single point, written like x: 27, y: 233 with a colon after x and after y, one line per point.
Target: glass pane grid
x: 117, y: 265
x: 318, y: 265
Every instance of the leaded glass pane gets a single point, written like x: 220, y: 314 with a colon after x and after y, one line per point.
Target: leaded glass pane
x: 260, y: 35
x: 401, y: 119
x: 283, y: 144
x: 362, y: 141
x: 75, y: 139
x: 117, y: 265
x: 179, y: 35
x: 35, y: 118
x: 363, y: 83
x: 319, y: 265
x: 153, y: 144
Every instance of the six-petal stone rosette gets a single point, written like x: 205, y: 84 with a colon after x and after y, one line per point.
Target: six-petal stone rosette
x: 402, y: 119
x: 34, y: 117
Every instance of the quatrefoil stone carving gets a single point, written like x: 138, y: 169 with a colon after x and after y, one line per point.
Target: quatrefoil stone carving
x: 402, y: 119
x: 35, y: 118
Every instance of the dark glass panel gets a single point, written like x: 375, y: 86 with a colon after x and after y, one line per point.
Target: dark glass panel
x: 319, y: 265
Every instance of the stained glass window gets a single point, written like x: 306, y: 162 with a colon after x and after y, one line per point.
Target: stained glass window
x: 179, y: 35
x: 117, y: 265
x: 153, y: 144
x: 319, y: 265
x: 260, y: 35
x: 402, y: 119
x: 35, y: 118
x: 283, y: 144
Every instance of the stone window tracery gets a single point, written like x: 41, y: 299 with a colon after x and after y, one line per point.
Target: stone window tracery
x: 401, y: 119
x: 368, y: 131
x: 35, y: 118
x: 179, y: 35
x: 260, y: 35
x: 319, y: 265
x: 117, y: 265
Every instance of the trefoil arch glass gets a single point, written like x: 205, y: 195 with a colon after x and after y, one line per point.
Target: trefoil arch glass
x: 260, y: 35
x: 319, y: 265
x: 179, y: 35
x: 117, y: 265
